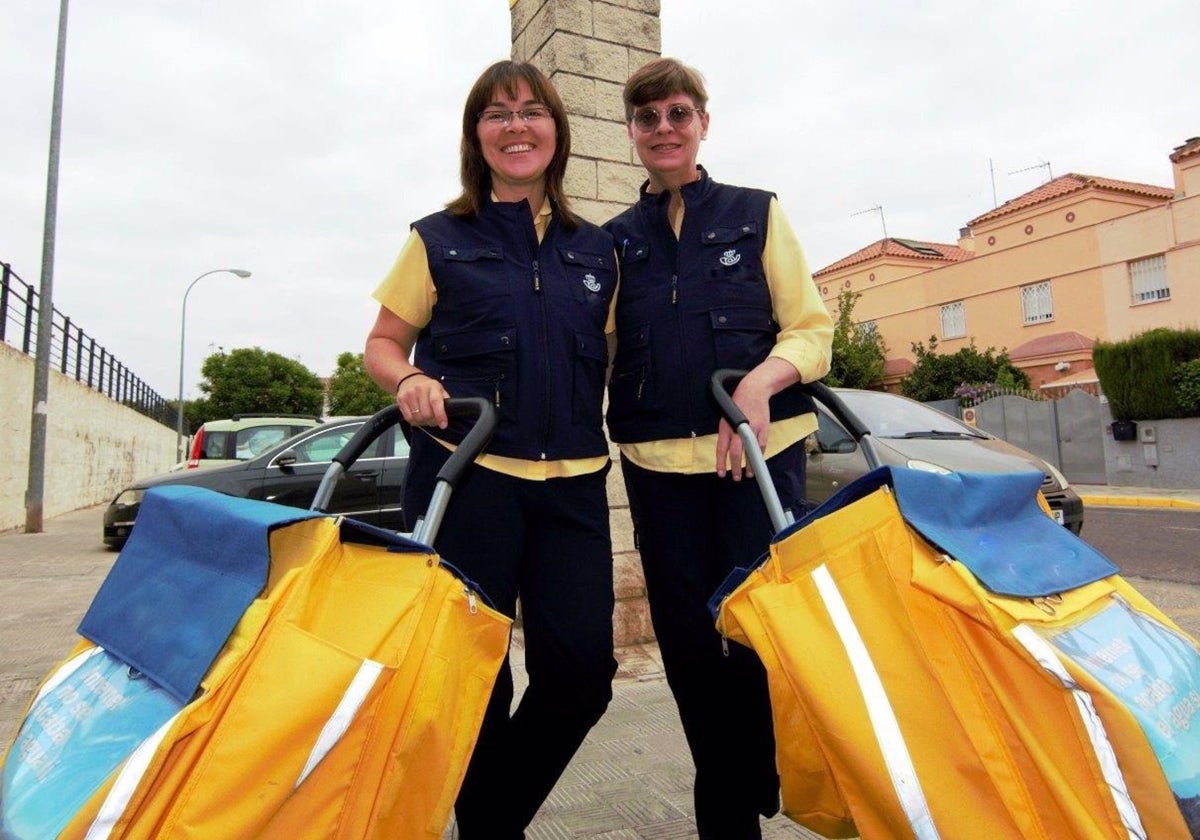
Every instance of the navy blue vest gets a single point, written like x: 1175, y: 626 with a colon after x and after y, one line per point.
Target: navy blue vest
x: 688, y: 307
x: 522, y: 325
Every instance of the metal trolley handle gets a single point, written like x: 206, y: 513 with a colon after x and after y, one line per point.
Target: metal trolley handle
x: 725, y: 380
x: 447, y: 478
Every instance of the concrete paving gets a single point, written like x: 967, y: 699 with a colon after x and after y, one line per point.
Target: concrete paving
x: 630, y: 780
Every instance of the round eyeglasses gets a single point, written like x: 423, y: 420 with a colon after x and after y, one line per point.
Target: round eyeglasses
x: 498, y: 116
x: 679, y: 116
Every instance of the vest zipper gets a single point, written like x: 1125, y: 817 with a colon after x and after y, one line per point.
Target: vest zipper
x: 537, y: 277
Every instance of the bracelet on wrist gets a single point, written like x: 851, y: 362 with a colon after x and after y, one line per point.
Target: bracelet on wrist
x: 408, y: 376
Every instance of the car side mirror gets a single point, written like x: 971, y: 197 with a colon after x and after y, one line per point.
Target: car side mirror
x: 844, y: 446
x: 287, y: 459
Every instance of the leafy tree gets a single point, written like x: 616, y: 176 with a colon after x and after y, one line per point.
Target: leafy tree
x: 352, y: 391
x: 254, y: 380
x: 858, y: 352
x: 938, y: 376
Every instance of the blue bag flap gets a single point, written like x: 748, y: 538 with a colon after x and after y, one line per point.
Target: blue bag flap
x: 194, y: 562
x: 993, y: 525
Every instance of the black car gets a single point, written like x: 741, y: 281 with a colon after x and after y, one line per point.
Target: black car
x: 288, y: 474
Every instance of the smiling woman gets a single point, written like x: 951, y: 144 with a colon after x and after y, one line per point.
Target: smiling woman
x: 711, y: 277
x: 523, y: 290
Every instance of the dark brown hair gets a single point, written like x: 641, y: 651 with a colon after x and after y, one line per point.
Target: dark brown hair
x: 474, y: 173
x: 659, y: 79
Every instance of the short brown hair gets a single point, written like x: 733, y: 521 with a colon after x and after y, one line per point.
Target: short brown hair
x: 661, y: 78
x: 474, y: 173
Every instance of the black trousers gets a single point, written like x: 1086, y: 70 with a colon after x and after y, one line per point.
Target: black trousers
x: 548, y: 543
x: 691, y: 531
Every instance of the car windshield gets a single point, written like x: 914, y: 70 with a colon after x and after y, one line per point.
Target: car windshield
x: 891, y: 416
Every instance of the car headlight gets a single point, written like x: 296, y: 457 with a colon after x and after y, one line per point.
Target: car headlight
x: 129, y: 497
x: 928, y: 467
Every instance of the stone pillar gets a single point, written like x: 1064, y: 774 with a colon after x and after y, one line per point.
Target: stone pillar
x: 588, y: 48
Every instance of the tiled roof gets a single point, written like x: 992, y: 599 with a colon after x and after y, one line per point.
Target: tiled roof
x: 1067, y: 184
x: 1050, y: 345
x: 898, y: 367
x: 907, y: 248
x: 1189, y: 148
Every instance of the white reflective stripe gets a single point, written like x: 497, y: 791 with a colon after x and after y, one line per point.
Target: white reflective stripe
x: 67, y: 669
x: 127, y: 781
x: 1042, y: 651
x: 342, y: 716
x: 879, y: 709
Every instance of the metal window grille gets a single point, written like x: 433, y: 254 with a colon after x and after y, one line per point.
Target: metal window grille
x: 1036, y: 303
x: 1148, y: 278
x: 954, y: 320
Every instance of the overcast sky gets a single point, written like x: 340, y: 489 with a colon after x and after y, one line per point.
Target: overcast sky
x: 298, y: 140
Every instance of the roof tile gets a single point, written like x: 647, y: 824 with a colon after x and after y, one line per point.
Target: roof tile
x: 906, y: 248
x: 1067, y: 184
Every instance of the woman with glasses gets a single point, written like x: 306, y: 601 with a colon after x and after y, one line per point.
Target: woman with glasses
x: 711, y: 277
x: 507, y: 295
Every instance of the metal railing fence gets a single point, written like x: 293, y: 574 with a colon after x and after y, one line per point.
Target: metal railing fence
x: 73, y: 352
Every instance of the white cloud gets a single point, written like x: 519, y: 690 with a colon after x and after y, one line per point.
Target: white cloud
x: 299, y: 140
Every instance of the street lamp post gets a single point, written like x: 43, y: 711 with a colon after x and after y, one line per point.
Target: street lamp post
x: 240, y: 272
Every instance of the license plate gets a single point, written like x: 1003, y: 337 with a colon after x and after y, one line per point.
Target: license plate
x: 1058, y: 516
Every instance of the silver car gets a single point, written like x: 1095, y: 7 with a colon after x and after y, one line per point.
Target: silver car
x: 903, y: 432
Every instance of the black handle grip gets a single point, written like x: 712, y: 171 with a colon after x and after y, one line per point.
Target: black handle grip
x: 460, y: 408
x: 722, y: 393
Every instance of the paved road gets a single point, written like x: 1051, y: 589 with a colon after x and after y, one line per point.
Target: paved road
x: 1148, y: 543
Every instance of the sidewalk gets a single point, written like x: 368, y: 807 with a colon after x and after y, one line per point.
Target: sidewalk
x: 631, y: 780
x: 1101, y: 494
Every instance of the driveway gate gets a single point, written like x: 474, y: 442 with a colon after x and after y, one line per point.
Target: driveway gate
x: 1066, y: 432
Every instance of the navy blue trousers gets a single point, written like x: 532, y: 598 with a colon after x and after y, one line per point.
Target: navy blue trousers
x: 548, y: 543
x: 691, y: 531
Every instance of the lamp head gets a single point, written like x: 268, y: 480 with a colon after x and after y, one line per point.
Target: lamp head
x: 240, y: 272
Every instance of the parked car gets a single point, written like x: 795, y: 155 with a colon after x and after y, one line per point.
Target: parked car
x: 241, y: 437
x: 908, y: 433
x: 288, y: 474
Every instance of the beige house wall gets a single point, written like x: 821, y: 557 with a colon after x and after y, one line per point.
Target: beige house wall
x: 1080, y: 243
x: 1172, y: 230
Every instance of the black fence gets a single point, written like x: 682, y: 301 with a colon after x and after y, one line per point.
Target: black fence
x: 73, y: 352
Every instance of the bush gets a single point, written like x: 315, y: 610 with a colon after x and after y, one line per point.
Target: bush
x: 939, y: 377
x: 1139, y: 375
x: 858, y: 350
x: 1187, y: 386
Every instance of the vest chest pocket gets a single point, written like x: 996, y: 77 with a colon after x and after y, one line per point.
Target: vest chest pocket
x: 590, y: 277
x: 469, y: 272
x: 638, y: 281
x: 732, y: 253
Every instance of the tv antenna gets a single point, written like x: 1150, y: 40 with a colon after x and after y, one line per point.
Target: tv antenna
x: 876, y: 209
x: 1043, y: 165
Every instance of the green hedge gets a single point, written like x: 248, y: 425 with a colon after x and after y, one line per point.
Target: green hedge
x: 1149, y: 377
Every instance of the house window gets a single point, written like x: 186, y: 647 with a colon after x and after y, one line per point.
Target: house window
x: 1036, y: 303
x: 1149, y: 279
x: 954, y: 320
